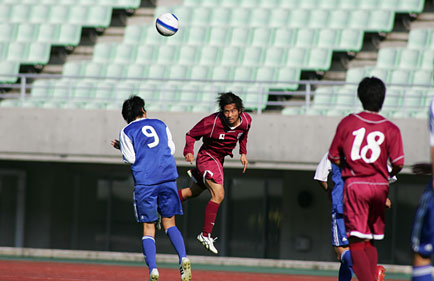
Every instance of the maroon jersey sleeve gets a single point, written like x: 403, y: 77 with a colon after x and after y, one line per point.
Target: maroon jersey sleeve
x: 243, y: 138
x: 199, y: 130
x: 395, y: 148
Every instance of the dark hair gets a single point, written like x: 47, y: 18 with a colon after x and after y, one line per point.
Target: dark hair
x: 229, y: 98
x: 371, y: 92
x: 132, y: 108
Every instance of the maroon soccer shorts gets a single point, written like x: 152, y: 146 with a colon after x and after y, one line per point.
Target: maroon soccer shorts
x: 207, y: 167
x: 364, y: 207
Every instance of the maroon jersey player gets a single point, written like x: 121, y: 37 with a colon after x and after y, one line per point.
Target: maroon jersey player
x: 220, y: 133
x: 362, y: 146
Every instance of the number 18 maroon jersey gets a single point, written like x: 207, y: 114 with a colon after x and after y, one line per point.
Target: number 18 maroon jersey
x: 365, y: 142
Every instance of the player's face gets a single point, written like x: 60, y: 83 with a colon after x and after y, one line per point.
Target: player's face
x: 231, y: 113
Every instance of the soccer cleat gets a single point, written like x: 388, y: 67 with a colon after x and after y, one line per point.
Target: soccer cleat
x: 158, y: 222
x: 185, y: 269
x: 381, y: 273
x: 154, y: 275
x: 208, y: 242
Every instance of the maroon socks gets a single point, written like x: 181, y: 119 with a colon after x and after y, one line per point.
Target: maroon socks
x: 210, y: 215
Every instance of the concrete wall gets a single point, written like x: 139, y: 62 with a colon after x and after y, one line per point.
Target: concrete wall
x: 275, y: 141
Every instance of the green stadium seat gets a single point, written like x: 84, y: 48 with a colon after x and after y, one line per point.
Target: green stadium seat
x: 381, y: 73
x: 410, y: 59
x: 323, y: 100
x: 320, y: 59
x: 274, y: 4
x: 179, y: 72
x: 289, y: 4
x: 124, y: 90
x: 328, y: 38
x: 411, y: 6
x: 197, y: 35
x: 69, y: 35
x: 230, y: 55
x: 200, y: 15
x: 284, y: 37
x: 124, y: 53
x: 5, y: 13
x: 104, y: 52
x: 393, y: 100
x: 252, y: 56
x: 279, y: 17
x: 200, y: 72
x: 288, y: 78
x: 297, y: 57
x: 419, y: 38
x: 349, y: 4
x: 229, y: 3
x: 188, y: 55
x: 11, y: 69
x: 190, y: 93
x: 240, y: 16
x: 183, y: 13
x: 39, y: 13
x: 63, y: 89
x: 346, y: 99
x: 222, y: 73
x: 209, y: 55
x: 94, y: 70
x: 136, y: 71
x: 20, y: 13
x: 259, y: 17
x: 381, y: 21
x: 49, y: 33
x: 400, y: 76
x: 339, y: 18
x: 262, y: 37
x: 329, y: 4
x: 266, y: 74
x: 423, y: 77
x: 219, y: 35
x: 3, y: 51
x: 157, y: 72
x: 250, y: 3
x: 9, y: 103
x: 275, y: 56
x: 299, y: 18
x: 146, y: 54
x: 427, y: 60
x: 359, y: 19
x: 124, y: 4
x: 413, y: 100
x: 369, y: 4
x: 79, y: 14
x: 388, y: 57
x: 18, y: 51
x: 167, y: 54
x: 309, y: 4
x: 319, y: 18
x: 84, y: 91
x: 99, y: 16
x: 27, y: 32
x: 350, y: 40
x: 244, y: 73
x: 240, y: 36
x: 73, y: 69
x: 306, y: 38
x: 59, y: 14
x: 8, y: 32
x: 220, y: 16
x: 116, y: 70
x: 135, y: 34
x: 104, y: 90
x: 355, y: 75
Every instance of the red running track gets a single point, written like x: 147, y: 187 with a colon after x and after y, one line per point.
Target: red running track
x: 61, y: 271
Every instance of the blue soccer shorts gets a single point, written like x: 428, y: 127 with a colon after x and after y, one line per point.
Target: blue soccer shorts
x: 422, y: 236
x: 149, y: 200
x: 339, y: 235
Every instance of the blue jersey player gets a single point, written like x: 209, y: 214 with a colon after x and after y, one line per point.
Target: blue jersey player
x: 339, y: 237
x: 147, y: 145
x: 422, y: 237
x: 340, y: 241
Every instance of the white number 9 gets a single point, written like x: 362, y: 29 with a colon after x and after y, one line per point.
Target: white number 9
x: 150, y: 132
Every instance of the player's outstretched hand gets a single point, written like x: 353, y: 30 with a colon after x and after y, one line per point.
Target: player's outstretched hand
x: 388, y: 203
x: 189, y: 158
x: 422, y: 168
x: 244, y: 161
x: 115, y: 144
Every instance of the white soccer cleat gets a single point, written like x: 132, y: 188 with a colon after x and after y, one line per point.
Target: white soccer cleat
x: 185, y: 269
x: 154, y: 275
x: 208, y: 242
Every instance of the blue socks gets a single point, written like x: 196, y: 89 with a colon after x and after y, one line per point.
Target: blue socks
x: 149, y: 251
x: 422, y: 273
x: 346, y: 269
x: 175, y: 237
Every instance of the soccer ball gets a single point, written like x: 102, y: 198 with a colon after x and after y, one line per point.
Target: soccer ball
x: 167, y: 24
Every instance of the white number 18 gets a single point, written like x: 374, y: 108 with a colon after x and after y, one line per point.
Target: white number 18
x: 150, y: 132
x: 373, y: 139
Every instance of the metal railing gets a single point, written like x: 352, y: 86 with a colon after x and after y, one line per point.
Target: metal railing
x: 269, y: 94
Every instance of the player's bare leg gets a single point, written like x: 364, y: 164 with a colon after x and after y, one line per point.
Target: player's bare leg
x: 190, y: 192
x: 217, y: 195
x: 422, y: 269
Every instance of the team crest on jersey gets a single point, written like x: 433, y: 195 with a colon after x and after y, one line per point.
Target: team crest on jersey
x: 222, y: 136
x: 239, y: 136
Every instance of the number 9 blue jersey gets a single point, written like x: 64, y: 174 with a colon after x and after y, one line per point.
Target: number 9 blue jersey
x: 147, y: 145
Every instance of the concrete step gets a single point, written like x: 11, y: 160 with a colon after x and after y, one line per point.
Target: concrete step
x: 335, y: 75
